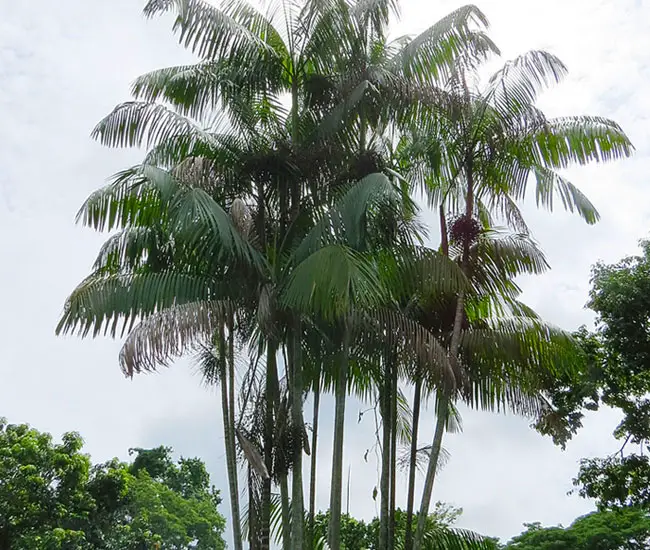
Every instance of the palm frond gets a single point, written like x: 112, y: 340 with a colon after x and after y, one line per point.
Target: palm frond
x: 515, y: 87
x: 550, y: 183
x: 113, y: 303
x: 345, y: 221
x: 197, y: 218
x: 457, y: 539
x: 398, y: 330
x: 135, y: 197
x: 200, y: 89
x: 431, y: 56
x: 137, y: 123
x: 564, y: 141
x: 212, y: 33
x: 420, y: 271
x: 169, y: 333
x: 332, y: 281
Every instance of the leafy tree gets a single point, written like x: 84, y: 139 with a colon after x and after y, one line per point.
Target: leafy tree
x: 616, y: 374
x: 52, y: 498
x: 626, y: 529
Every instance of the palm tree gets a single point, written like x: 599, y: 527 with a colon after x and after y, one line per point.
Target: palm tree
x: 484, y: 151
x: 270, y: 225
x: 245, y: 55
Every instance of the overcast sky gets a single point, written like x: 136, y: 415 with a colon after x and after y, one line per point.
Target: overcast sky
x: 65, y: 64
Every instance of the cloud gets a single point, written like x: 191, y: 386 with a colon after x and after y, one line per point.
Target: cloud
x: 64, y: 65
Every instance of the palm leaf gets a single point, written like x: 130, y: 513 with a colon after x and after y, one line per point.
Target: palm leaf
x: 169, y: 333
x: 431, y: 56
x: 112, y: 303
x: 515, y: 87
x: 136, y: 124
x: 332, y: 281
x: 345, y: 221
x: 561, y: 142
x: 211, y: 32
x: 135, y: 197
x: 456, y: 539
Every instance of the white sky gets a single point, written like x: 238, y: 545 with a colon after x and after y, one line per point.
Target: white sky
x: 64, y: 65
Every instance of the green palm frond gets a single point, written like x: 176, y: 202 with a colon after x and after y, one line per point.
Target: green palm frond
x: 338, y: 118
x: 145, y: 196
x: 332, y: 281
x: 404, y: 418
x: 136, y: 124
x: 198, y: 219
x: 500, y: 394
x: 325, y: 32
x: 199, y: 90
x: 526, y: 344
x: 113, y: 303
x: 515, y: 87
x: 550, y: 183
x: 375, y: 15
x: 562, y: 142
x: 345, y: 220
x: 431, y: 56
x: 134, y: 197
x: 395, y: 329
x: 132, y: 249
x: 509, y: 255
x: 170, y: 333
x: 215, y: 32
x: 420, y: 271
x: 456, y: 539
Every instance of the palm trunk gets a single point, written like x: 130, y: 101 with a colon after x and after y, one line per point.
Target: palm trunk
x: 297, y: 422
x: 443, y: 408
x: 253, y: 519
x: 444, y: 236
x: 229, y: 441
x: 384, y: 483
x: 408, y: 536
x: 271, y: 376
x: 434, y: 456
x: 283, y: 475
x: 337, y: 452
x: 393, y: 461
x: 312, y: 478
x: 286, y: 512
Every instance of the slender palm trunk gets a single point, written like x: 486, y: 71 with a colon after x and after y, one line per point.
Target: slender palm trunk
x: 444, y: 236
x: 443, y: 408
x: 393, y: 461
x: 253, y: 518
x: 312, y: 477
x: 282, y: 475
x: 229, y: 438
x: 297, y: 423
x: 286, y: 512
x: 408, y: 536
x: 434, y: 457
x: 271, y: 377
x: 384, y: 482
x: 337, y: 451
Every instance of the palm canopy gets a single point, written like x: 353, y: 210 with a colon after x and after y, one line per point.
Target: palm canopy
x: 329, y: 56
x: 265, y: 210
x: 499, y: 138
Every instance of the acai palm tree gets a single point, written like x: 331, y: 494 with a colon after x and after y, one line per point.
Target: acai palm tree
x: 272, y: 230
